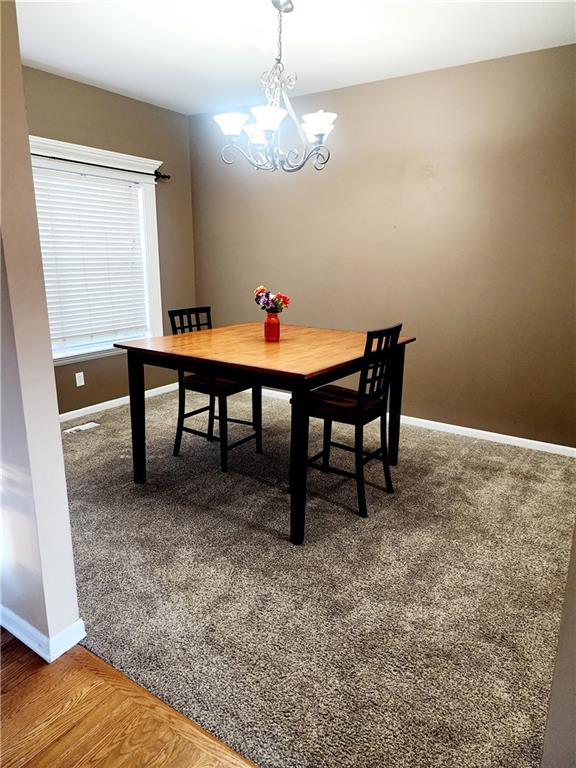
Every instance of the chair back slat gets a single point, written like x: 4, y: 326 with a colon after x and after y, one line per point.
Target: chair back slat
x: 376, y: 367
x: 190, y: 319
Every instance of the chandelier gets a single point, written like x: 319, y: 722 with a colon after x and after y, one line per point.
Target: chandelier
x: 258, y: 141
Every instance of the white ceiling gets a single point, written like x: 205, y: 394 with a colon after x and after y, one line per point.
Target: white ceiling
x: 207, y: 55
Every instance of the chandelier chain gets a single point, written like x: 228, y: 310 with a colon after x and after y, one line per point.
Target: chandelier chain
x: 279, y: 56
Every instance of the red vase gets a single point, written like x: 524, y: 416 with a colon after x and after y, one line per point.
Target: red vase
x: 272, y: 327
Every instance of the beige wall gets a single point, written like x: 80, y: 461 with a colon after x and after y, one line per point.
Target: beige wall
x: 63, y: 109
x: 448, y: 204
x: 37, y: 571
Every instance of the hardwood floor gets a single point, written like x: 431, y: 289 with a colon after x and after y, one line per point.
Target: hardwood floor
x: 80, y: 711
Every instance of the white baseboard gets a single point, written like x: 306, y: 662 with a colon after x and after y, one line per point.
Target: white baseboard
x: 49, y: 648
x: 479, y: 434
x: 494, y: 437
x: 107, y: 404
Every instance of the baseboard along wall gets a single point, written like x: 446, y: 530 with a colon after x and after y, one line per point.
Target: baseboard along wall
x: 49, y: 648
x: 439, y: 426
x: 479, y: 434
x: 105, y: 406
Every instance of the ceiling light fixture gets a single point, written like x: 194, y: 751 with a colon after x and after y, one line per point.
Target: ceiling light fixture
x: 262, y: 147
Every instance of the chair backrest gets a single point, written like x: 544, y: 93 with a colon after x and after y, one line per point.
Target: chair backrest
x: 190, y: 319
x: 375, y: 372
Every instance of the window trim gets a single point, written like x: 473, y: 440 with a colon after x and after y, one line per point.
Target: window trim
x: 60, y: 152
x: 80, y: 357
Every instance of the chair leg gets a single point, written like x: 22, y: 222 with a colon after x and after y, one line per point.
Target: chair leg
x: 359, y: 461
x: 223, y: 424
x: 257, y: 416
x: 181, y: 411
x: 384, y: 449
x: 326, y: 445
x: 211, y: 412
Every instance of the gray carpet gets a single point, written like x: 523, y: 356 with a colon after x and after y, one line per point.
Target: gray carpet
x: 422, y: 637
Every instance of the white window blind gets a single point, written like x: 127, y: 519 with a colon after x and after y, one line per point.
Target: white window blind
x: 93, y: 250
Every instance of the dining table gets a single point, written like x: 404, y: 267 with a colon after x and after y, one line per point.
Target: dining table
x: 304, y: 358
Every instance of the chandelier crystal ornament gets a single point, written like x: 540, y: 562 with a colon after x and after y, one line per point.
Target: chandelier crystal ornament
x: 258, y: 141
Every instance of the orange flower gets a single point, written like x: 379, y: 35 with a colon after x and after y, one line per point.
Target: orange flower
x: 259, y: 290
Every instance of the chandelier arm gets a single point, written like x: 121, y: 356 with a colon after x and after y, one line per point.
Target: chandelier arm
x: 320, y: 153
x: 227, y: 156
x: 322, y: 156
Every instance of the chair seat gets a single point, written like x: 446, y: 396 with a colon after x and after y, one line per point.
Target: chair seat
x: 195, y: 382
x: 340, y: 404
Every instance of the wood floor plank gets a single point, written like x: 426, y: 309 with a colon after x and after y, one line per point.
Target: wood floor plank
x: 117, y: 734
x: 39, y: 689
x: 185, y: 727
x: 10, y: 646
x: 139, y: 738
x: 39, y: 717
x: 79, y: 711
x: 62, y: 751
x: 8, y: 640
x: 16, y: 664
x: 183, y: 753
x: 5, y: 638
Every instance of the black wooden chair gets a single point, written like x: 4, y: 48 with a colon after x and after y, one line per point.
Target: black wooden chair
x: 194, y: 319
x: 358, y: 408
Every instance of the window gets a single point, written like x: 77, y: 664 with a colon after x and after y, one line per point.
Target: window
x: 99, y: 247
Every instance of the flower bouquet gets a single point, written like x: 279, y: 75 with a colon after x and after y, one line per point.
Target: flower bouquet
x: 272, y: 304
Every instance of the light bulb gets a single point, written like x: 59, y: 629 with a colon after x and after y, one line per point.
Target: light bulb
x: 231, y: 123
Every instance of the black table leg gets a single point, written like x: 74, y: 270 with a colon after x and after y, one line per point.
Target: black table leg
x: 395, y: 408
x: 137, y: 416
x: 298, y: 466
x: 257, y: 415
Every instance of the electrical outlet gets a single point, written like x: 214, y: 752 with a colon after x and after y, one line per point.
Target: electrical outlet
x: 80, y: 379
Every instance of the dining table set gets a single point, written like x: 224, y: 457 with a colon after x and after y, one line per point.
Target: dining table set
x: 305, y: 361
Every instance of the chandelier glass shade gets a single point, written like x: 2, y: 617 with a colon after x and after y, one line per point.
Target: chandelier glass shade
x: 256, y: 136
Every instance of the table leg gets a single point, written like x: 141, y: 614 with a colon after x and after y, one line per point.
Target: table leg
x: 395, y: 408
x: 137, y: 416
x: 257, y: 415
x: 298, y: 466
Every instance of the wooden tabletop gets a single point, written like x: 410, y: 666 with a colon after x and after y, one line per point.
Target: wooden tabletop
x: 301, y: 351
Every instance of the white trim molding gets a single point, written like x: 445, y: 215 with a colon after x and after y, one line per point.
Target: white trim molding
x: 63, y: 150
x: 107, y: 404
x: 494, y: 437
x: 106, y: 351
x: 49, y: 648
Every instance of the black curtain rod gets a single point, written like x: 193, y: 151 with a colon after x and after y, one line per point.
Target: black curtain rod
x: 158, y: 175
